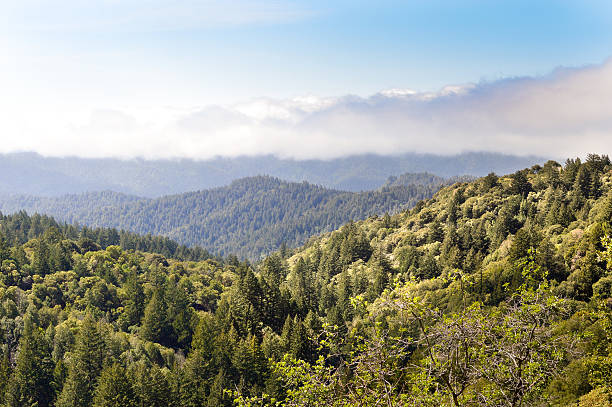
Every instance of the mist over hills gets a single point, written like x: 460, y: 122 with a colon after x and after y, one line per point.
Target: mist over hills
x: 250, y: 217
x: 33, y: 174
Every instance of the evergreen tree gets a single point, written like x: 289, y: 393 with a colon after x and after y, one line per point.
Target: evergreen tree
x: 114, y: 388
x: 217, y: 396
x: 488, y: 182
x: 86, y: 362
x: 298, y: 343
x: 570, y: 171
x: 520, y: 184
x: 249, y: 361
x: 152, y: 387
x: 436, y: 233
x: 40, y: 258
x: 5, y: 375
x: 32, y: 381
x: 134, y: 304
x: 286, y: 333
x: 582, y: 183
x: 595, y: 187
x: 155, y: 325
x: 179, y: 312
x: 194, y: 383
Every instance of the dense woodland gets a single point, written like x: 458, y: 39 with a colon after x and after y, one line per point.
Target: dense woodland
x: 249, y: 218
x: 18, y: 228
x: 496, y: 292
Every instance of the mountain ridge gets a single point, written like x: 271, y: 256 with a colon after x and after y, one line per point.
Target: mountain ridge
x: 249, y: 217
x: 30, y: 173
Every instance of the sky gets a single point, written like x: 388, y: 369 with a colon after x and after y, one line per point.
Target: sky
x: 304, y: 79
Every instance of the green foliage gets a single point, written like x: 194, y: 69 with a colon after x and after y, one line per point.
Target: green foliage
x: 85, y: 365
x: 156, y: 326
x: 114, y: 388
x: 478, y: 296
x: 251, y: 217
x: 32, y: 381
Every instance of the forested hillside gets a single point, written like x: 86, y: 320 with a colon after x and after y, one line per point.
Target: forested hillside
x: 424, y: 178
x: 249, y: 218
x: 32, y: 174
x: 496, y: 292
x: 18, y: 228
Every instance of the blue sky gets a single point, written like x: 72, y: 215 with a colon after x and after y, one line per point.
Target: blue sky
x: 65, y: 61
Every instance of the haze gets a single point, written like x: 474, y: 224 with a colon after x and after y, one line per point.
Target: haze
x: 297, y: 79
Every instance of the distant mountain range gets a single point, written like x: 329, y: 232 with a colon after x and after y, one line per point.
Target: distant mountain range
x: 32, y: 174
x: 250, y: 217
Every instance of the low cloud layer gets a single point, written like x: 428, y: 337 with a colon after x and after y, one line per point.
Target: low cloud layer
x: 565, y: 113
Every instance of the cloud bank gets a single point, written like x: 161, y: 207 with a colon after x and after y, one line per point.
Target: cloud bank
x: 565, y: 113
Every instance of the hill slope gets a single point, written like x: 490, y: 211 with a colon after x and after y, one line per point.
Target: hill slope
x: 496, y: 292
x: 482, y: 275
x: 249, y: 218
x: 486, y: 225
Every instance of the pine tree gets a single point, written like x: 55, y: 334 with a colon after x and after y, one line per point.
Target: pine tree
x: 301, y: 286
x: 286, y: 333
x: 520, y: 185
x: 151, y: 386
x: 85, y: 365
x: 114, y: 388
x: 179, y: 313
x: 40, y: 259
x: 5, y: 374
x: 274, y: 308
x: 193, y: 381
x: 488, y: 182
x: 582, y: 183
x: 217, y: 397
x: 298, y: 343
x: 4, y: 248
x: 595, y: 187
x: 249, y: 361
x: 155, y: 324
x: 250, y: 288
x: 570, y: 171
x: 134, y: 303
x: 436, y: 233
x: 32, y: 380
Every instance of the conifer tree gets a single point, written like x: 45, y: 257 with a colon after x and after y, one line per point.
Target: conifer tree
x: 217, y: 396
x: 32, y: 381
x: 520, y: 184
x: 582, y: 183
x: 436, y: 233
x: 299, y: 340
x: 135, y: 302
x: 488, y: 182
x: 40, y: 259
x: 5, y: 375
x: 85, y: 365
x: 179, y: 313
x: 151, y: 386
x: 114, y: 388
x: 286, y: 333
x: 193, y: 381
x: 155, y: 324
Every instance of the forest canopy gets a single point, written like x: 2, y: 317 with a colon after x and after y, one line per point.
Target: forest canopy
x: 250, y: 218
x: 495, y: 292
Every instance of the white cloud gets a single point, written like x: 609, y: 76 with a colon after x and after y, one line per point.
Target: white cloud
x: 566, y: 113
